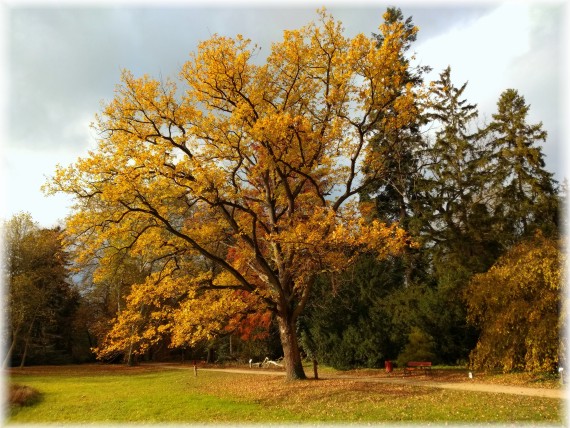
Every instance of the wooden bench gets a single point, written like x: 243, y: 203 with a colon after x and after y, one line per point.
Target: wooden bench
x: 418, y: 365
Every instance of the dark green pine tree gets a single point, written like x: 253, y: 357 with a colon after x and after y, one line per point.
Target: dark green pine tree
x: 457, y: 224
x: 524, y: 192
x: 352, y: 327
x: 394, y: 197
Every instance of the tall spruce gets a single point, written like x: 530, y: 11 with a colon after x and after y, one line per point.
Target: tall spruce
x: 524, y: 192
x: 457, y: 221
x: 456, y: 224
x: 402, y: 145
x: 395, y: 197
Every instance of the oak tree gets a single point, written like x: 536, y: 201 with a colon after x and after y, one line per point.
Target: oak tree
x: 241, y: 187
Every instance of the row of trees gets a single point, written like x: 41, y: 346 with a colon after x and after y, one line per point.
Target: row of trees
x: 328, y: 197
x: 40, y: 298
x: 469, y: 194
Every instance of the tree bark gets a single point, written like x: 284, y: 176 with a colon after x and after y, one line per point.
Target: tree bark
x: 8, y: 358
x: 15, y: 338
x: 291, y: 352
x: 26, y: 343
x: 130, y: 361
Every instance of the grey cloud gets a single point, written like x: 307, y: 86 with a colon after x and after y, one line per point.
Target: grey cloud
x: 64, y: 61
x: 538, y: 76
x: 60, y: 65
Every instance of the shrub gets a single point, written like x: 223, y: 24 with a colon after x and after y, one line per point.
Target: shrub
x: 420, y: 347
x: 21, y: 395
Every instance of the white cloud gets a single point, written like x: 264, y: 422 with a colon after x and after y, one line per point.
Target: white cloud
x: 481, y: 52
x: 516, y: 45
x: 26, y: 171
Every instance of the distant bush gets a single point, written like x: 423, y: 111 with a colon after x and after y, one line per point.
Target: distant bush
x: 21, y: 395
x: 420, y: 347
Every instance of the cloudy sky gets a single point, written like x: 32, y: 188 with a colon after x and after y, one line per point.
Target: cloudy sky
x: 61, y: 60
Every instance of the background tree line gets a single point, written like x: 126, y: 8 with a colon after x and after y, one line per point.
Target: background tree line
x: 477, y: 197
x: 40, y: 301
x: 480, y: 284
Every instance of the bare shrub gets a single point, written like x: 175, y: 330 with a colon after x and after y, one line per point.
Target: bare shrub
x: 21, y: 395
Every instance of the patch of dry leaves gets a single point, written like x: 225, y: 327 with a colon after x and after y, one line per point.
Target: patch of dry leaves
x: 325, y: 397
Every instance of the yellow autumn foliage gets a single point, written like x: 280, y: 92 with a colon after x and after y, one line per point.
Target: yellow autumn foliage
x: 517, y: 306
x: 241, y: 177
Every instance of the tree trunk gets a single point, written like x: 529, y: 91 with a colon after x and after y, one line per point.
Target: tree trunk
x: 15, y: 338
x: 8, y: 358
x: 129, y: 358
x: 25, y: 354
x: 289, y: 341
x: 27, y: 342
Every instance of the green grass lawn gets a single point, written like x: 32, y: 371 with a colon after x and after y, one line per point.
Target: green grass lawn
x: 115, y: 394
x: 165, y: 396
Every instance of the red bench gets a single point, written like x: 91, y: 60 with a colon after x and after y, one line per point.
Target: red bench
x: 417, y: 365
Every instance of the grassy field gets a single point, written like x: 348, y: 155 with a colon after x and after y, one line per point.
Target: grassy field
x: 117, y: 394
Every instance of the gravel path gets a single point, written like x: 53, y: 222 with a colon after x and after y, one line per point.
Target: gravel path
x: 459, y: 386
x: 472, y: 386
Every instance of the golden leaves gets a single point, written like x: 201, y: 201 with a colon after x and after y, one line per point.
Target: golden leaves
x: 516, y: 304
x: 244, y: 180
x: 219, y: 74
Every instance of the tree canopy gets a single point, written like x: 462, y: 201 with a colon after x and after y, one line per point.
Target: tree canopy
x: 40, y: 298
x: 239, y: 189
x: 321, y: 195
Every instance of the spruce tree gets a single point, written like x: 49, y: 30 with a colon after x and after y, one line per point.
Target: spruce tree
x: 456, y: 226
x: 524, y: 192
x: 456, y: 218
x: 394, y: 198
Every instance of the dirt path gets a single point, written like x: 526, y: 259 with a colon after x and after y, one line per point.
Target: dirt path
x: 459, y: 386
x: 471, y: 386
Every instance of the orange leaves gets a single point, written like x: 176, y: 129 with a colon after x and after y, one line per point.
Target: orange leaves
x: 242, y: 181
x: 253, y: 326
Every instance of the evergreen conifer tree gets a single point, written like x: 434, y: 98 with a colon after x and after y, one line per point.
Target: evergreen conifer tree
x: 524, y: 192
